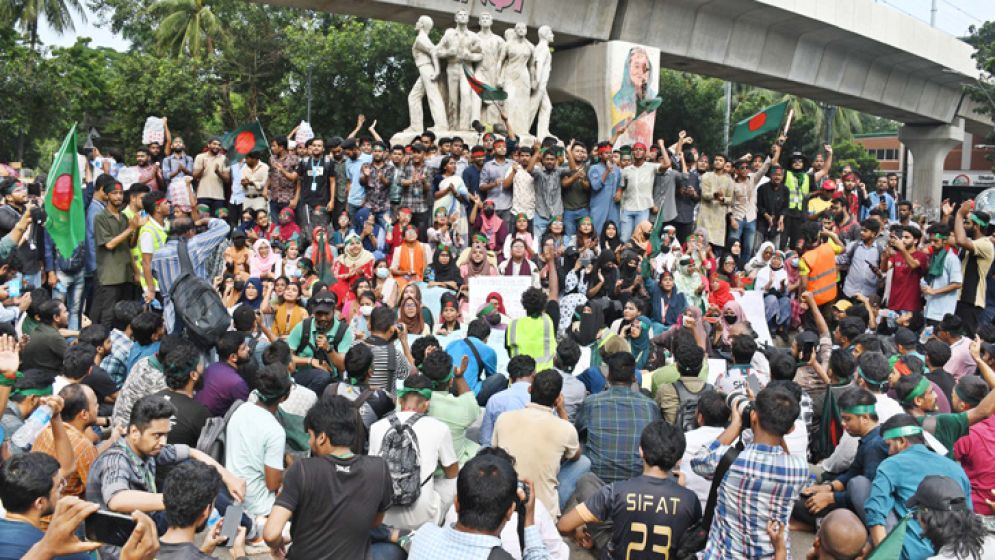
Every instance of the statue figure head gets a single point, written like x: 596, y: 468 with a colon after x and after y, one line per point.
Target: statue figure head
x: 546, y: 33
x: 462, y: 17
x: 424, y: 23
x: 521, y: 29
x: 486, y: 20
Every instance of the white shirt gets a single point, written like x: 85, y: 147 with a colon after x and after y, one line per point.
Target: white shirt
x: 696, y: 439
x: 435, y: 443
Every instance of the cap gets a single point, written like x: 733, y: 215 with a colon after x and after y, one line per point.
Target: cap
x: 842, y: 305
x: 938, y: 493
x: 324, y: 302
x: 829, y: 185
x: 905, y: 337
x: 239, y: 234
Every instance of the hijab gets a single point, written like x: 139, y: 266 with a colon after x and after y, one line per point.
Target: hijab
x: 362, y: 258
x: 490, y: 227
x: 640, y: 346
x: 362, y: 215
x: 613, y: 243
x: 259, y: 264
x: 253, y: 303
x: 722, y: 294
x: 726, y: 327
x: 445, y: 272
x: 758, y: 261
x: 290, y: 229
x: 483, y: 268
x: 414, y: 325
x: 585, y: 331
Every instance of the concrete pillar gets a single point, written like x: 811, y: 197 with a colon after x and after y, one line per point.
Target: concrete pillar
x: 929, y: 145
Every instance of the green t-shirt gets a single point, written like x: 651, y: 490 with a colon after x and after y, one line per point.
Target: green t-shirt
x: 948, y: 429
x: 668, y: 374
x: 458, y: 414
x: 294, y: 338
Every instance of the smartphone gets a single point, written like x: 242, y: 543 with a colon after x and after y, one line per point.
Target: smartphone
x: 14, y: 288
x: 754, y: 383
x: 229, y: 526
x: 109, y: 527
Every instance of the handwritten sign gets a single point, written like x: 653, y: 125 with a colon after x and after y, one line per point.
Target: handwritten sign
x: 752, y: 303
x: 511, y: 289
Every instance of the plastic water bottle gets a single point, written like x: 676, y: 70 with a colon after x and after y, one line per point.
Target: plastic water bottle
x: 26, y: 434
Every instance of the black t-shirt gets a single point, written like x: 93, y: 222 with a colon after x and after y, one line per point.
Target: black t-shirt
x: 649, y: 515
x: 180, y: 551
x: 101, y: 383
x: 314, y: 176
x: 189, y: 419
x: 943, y: 380
x: 334, y: 502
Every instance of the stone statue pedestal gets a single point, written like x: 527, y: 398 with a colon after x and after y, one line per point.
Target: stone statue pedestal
x: 470, y: 137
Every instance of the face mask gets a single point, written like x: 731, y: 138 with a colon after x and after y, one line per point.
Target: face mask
x: 488, y: 212
x: 366, y: 310
x: 731, y: 319
x: 383, y: 273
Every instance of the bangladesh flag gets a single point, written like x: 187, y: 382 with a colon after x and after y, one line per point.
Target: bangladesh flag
x: 764, y: 121
x: 244, y: 139
x: 486, y: 92
x: 891, y: 547
x: 66, y: 222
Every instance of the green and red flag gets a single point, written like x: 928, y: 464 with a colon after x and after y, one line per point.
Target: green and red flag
x: 486, y: 92
x: 764, y: 121
x: 66, y: 222
x: 244, y: 139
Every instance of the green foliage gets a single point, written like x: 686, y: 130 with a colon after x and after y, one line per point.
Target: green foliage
x: 983, y: 91
x: 27, y: 14
x: 574, y: 119
x: 686, y: 94
x: 849, y: 153
x: 187, y: 28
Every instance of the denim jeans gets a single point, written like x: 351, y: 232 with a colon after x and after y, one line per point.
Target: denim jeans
x: 571, y: 218
x: 744, y: 233
x: 539, y: 226
x: 570, y: 473
x: 630, y: 219
x: 72, y: 296
x: 778, y: 310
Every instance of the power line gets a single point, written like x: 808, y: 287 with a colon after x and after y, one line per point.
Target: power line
x: 958, y: 8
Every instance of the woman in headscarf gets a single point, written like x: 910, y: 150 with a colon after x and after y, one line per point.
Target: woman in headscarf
x: 732, y: 314
x: 521, y: 232
x: 252, y: 294
x: 638, y: 336
x: 287, y: 230
x: 574, y: 292
x: 449, y: 316
x: 428, y: 314
x: 772, y: 282
x: 586, y: 330
x: 370, y: 233
x: 640, y: 240
x: 720, y: 293
x: 487, y: 222
x: 410, y: 315
x: 264, y: 262
x: 354, y: 262
x: 667, y: 302
x: 408, y: 262
x: 609, y: 237
x: 689, y: 282
x: 444, y: 273
x: 321, y: 255
x: 630, y: 277
x: 477, y: 265
x: 760, y: 260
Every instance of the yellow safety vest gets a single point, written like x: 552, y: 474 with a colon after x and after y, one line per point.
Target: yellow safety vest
x: 796, y: 192
x: 533, y: 337
x: 158, y: 240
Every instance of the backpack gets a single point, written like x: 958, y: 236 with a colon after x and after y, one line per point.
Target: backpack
x: 687, y: 410
x: 212, y: 437
x: 359, y: 444
x: 198, y: 304
x: 400, y: 450
x: 306, y: 340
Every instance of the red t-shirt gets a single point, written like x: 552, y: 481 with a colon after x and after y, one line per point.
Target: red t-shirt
x: 905, y: 292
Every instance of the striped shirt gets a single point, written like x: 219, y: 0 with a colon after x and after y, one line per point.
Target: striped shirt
x: 761, y: 484
x: 166, y: 261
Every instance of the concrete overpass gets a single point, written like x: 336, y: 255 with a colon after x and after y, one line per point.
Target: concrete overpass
x: 852, y: 53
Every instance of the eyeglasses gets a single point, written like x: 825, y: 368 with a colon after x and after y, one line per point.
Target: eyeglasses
x: 324, y: 301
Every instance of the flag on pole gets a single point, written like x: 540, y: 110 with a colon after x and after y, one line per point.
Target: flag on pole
x: 764, y: 121
x: 244, y: 139
x: 66, y: 222
x: 486, y: 92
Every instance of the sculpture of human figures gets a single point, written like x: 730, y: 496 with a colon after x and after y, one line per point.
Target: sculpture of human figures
x: 492, y: 48
x: 459, y: 46
x: 517, y: 78
x: 423, y: 52
x: 542, y: 61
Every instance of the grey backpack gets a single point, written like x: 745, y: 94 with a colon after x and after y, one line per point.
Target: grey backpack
x: 400, y: 450
x: 687, y: 410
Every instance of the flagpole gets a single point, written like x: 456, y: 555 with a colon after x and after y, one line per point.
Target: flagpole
x: 787, y: 122
x: 264, y: 136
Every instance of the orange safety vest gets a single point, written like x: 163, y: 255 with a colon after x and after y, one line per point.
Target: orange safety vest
x: 821, y: 263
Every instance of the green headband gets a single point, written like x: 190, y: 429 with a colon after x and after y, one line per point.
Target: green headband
x: 920, y: 390
x: 442, y: 384
x: 425, y: 393
x: 41, y: 391
x: 269, y: 397
x: 902, y: 431
x: 977, y: 220
x: 965, y: 398
x: 860, y: 409
x: 867, y: 380
x: 939, y: 236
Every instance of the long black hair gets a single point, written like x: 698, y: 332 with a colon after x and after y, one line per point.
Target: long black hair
x: 958, y: 533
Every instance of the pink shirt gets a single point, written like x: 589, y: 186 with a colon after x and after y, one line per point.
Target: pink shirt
x: 961, y: 363
x: 976, y: 453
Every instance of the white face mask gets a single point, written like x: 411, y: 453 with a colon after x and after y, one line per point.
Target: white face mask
x: 383, y: 273
x: 366, y: 310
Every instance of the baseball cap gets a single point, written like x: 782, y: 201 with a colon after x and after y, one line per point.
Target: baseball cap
x: 842, y: 305
x: 938, y: 493
x: 324, y: 302
x: 829, y: 185
x: 905, y: 337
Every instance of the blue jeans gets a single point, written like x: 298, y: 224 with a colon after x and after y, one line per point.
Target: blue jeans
x: 72, y: 295
x: 778, y: 310
x: 630, y: 219
x: 745, y: 234
x: 539, y: 226
x: 570, y: 473
x: 571, y: 218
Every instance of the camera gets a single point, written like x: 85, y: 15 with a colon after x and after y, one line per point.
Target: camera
x: 525, y: 490
x: 743, y: 403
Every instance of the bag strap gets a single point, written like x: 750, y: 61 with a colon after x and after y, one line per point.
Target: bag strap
x: 713, y: 492
x: 362, y: 398
x: 186, y: 266
x: 305, y: 336
x: 339, y: 335
x: 476, y: 356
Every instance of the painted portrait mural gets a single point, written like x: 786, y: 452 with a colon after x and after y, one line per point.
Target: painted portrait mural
x: 635, y: 74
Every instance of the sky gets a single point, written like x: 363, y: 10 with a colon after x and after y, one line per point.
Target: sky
x: 952, y: 16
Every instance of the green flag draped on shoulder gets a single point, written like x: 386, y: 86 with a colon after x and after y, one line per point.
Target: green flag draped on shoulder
x: 66, y: 222
x: 764, y: 121
x: 891, y: 547
x: 244, y: 139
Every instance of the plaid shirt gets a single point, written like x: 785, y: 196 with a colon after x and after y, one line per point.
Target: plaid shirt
x: 610, y: 423
x: 443, y: 543
x: 414, y: 197
x: 116, y: 363
x: 761, y: 484
x: 378, y: 186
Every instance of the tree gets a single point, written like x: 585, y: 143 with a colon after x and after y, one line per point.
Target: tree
x: 27, y: 14
x: 31, y: 101
x: 692, y: 103
x: 849, y: 153
x: 574, y: 119
x: 188, y: 28
x: 983, y: 91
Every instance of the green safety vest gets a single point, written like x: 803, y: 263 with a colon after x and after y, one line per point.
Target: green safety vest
x: 158, y: 240
x: 533, y: 337
x: 797, y: 192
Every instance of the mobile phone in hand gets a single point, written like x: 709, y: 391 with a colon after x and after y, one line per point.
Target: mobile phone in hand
x: 109, y: 527
x: 229, y: 526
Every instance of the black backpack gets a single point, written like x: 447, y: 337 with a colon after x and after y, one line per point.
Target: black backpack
x: 213, y: 438
x: 315, y: 352
x: 687, y: 410
x: 196, y: 302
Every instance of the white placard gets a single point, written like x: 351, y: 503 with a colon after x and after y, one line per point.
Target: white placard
x: 752, y: 303
x: 511, y: 289
x: 716, y: 367
x: 154, y: 131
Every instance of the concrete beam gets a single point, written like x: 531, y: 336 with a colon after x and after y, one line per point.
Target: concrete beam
x: 929, y: 146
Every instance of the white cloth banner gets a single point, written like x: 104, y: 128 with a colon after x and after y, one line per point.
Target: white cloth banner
x: 154, y: 131
x: 304, y: 132
x: 752, y: 303
x: 511, y: 289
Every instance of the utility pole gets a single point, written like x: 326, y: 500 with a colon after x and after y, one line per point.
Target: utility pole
x: 932, y: 14
x: 728, y: 116
x: 309, y: 67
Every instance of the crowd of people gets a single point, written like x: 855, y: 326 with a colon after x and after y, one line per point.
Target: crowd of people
x: 356, y: 404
